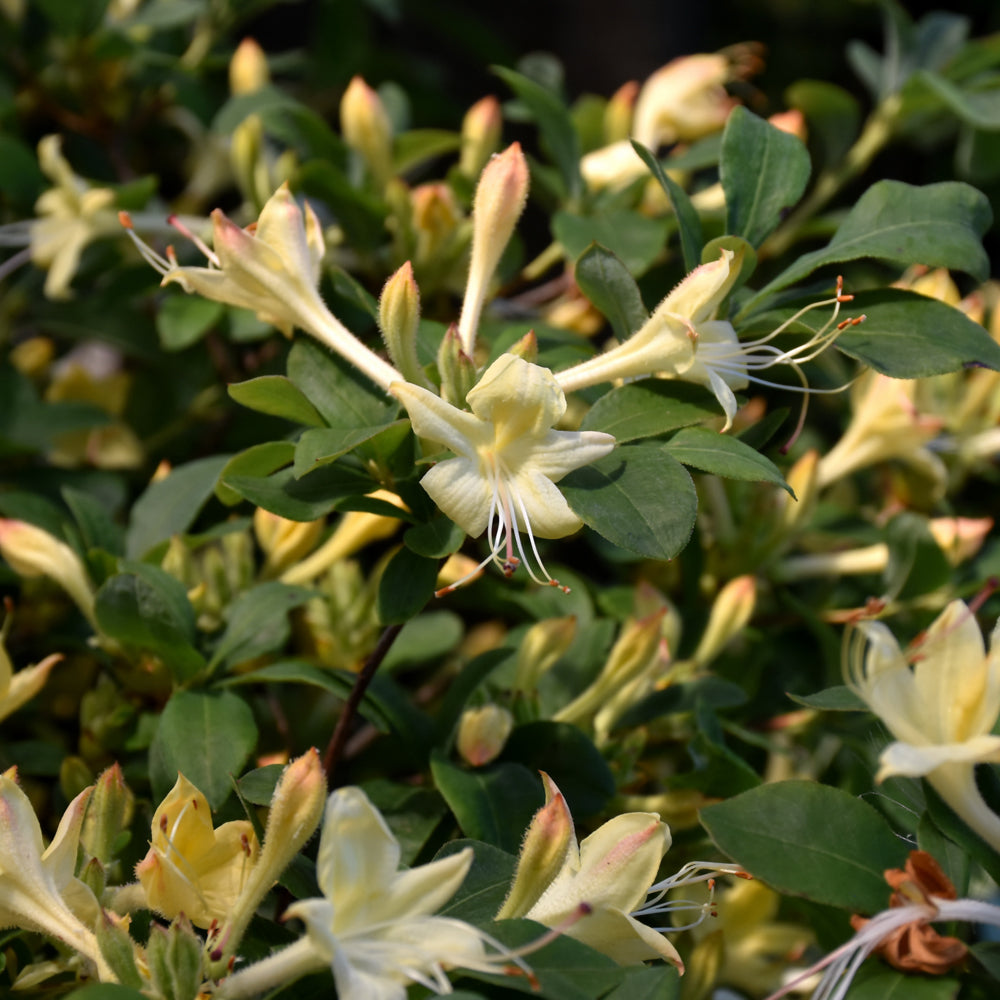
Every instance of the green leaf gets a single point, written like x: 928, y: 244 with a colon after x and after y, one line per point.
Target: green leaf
x: 494, y: 803
x: 940, y: 225
x: 687, y: 216
x: 809, y: 840
x: 306, y: 499
x: 554, y: 122
x: 839, y: 698
x: 657, y: 982
x: 97, y: 529
x: 258, y: 461
x: 105, y: 991
x: 257, y: 622
x: 277, y: 396
x: 907, y: 335
x: 621, y: 496
x: 480, y: 896
x: 876, y: 982
x: 724, y: 456
x: 419, y: 145
x: 435, y: 539
x: 326, y: 444
x: 635, y: 239
x: 339, y: 392
x: 169, y: 506
x: 832, y: 115
x: 427, y: 637
x: 649, y: 408
x: 763, y: 172
x: 184, y: 319
x: 606, y: 281
x: 147, y: 609
x: 406, y: 586
x: 205, y: 735
x: 569, y: 757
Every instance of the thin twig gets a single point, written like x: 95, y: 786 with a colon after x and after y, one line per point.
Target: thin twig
x: 364, y: 678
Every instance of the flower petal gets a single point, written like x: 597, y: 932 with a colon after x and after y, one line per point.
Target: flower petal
x: 915, y: 761
x: 439, y: 421
x: 560, y: 452
x: 624, y: 938
x: 461, y: 492
x: 700, y: 293
x: 548, y: 513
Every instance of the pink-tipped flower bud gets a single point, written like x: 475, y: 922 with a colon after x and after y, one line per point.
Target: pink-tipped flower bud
x: 367, y: 129
x: 481, y: 129
x: 248, y: 70
x: 482, y: 733
x: 399, y: 321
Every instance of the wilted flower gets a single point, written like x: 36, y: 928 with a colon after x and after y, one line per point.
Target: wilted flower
x: 507, y: 459
x: 941, y: 712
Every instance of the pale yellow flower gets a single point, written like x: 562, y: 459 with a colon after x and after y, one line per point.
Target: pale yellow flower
x: 940, y: 700
x: 507, y: 459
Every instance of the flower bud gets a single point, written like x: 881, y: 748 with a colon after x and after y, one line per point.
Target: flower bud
x: 30, y: 551
x: 540, y: 648
x: 399, y: 321
x: 173, y: 955
x: 730, y: 613
x: 500, y: 197
x: 284, y: 542
x: 456, y: 368
x: 118, y: 949
x: 367, y: 129
x: 482, y: 733
x: 546, y: 844
x: 803, y: 480
x: 960, y: 538
x: 33, y: 356
x: 526, y: 348
x: 792, y: 121
x: 109, y: 814
x: 248, y: 70
x: 618, y: 112
x: 481, y: 128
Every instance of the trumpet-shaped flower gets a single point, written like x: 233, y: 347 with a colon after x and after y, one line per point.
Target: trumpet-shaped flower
x: 507, y: 459
x: 941, y: 712
x: 374, y: 927
x: 272, y: 268
x: 37, y: 889
x: 610, y: 872
x: 683, y: 339
x: 192, y: 868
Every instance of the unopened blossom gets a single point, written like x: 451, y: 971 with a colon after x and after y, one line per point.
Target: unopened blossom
x: 507, y: 461
x: 367, y: 128
x: 940, y: 699
x: 192, y: 867
x: 610, y: 872
x: 683, y: 339
x: 373, y: 927
x: 921, y: 895
x: 272, y: 268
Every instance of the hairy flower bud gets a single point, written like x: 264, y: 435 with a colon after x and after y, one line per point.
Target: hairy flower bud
x: 399, y: 321
x: 480, y: 135
x: 367, y: 129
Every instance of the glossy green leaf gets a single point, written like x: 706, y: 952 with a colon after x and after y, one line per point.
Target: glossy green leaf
x: 427, y: 637
x: 169, y: 506
x: 205, y: 735
x: 621, y: 496
x: 326, y: 444
x: 305, y: 499
x: 97, y: 528
x: 277, y: 396
x: 839, y: 698
x: 258, y: 461
x: 338, y: 391
x: 809, y: 840
x: 406, y: 586
x: 687, y: 216
x: 940, y: 225
x: 569, y: 757
x: 145, y: 608
x: 434, y: 539
x: 657, y: 982
x: 609, y: 285
x: 257, y: 622
x: 876, y: 982
x: 184, y: 319
x: 649, y: 408
x: 635, y: 239
x: 763, y: 171
x: 480, y: 896
x: 493, y: 803
x: 725, y: 456
x: 907, y: 335
x: 554, y: 122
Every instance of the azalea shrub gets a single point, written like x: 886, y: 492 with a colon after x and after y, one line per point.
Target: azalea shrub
x: 543, y: 550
